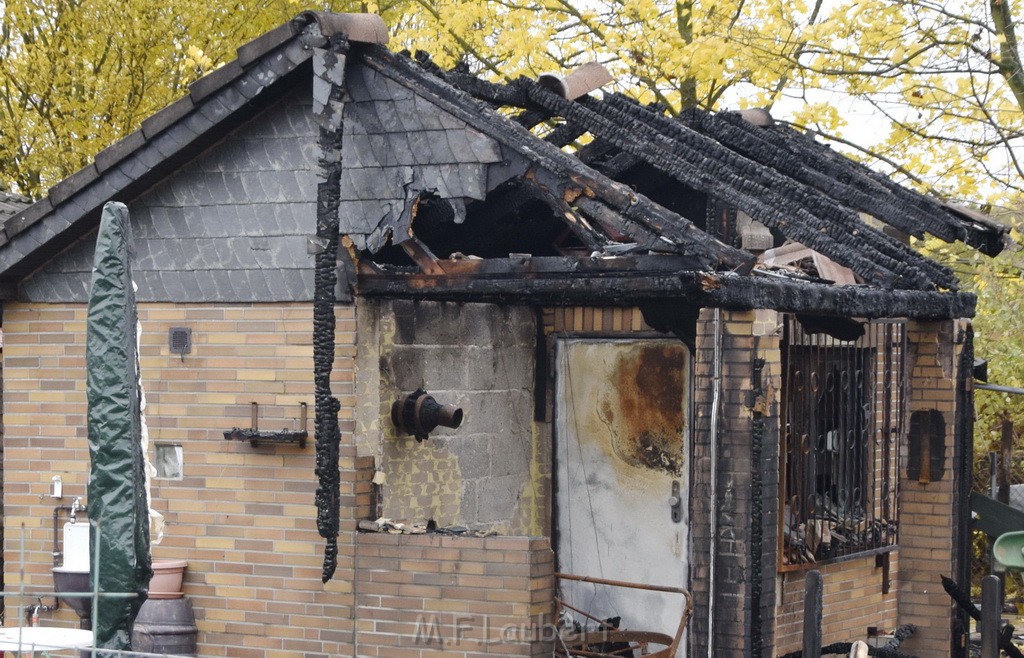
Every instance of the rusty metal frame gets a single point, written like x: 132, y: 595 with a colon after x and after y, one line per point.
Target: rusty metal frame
x: 575, y: 645
x: 255, y: 436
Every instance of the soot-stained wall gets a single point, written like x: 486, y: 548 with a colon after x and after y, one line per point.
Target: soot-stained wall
x: 487, y: 474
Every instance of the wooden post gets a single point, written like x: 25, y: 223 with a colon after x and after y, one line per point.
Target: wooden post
x: 812, y: 614
x: 1005, y: 461
x: 991, y: 613
x: 993, y: 492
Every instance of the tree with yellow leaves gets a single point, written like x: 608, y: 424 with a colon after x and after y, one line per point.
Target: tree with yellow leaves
x: 944, y: 81
x: 77, y: 75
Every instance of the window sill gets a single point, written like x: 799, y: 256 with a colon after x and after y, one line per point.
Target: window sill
x: 804, y: 566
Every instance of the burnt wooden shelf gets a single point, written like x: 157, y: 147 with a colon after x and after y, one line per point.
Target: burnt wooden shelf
x: 255, y: 436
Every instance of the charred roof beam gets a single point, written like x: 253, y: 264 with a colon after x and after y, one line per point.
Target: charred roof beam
x: 924, y: 209
x: 820, y: 213
x: 613, y: 222
x: 667, y: 155
x: 558, y: 200
x: 513, y: 94
x: 772, y: 147
x: 627, y: 281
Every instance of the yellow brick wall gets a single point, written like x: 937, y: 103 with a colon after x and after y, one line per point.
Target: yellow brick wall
x: 427, y: 595
x: 242, y: 517
x: 852, y: 601
x: 594, y: 319
x: 926, y: 510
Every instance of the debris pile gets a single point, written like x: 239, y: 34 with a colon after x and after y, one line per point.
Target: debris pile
x: 388, y: 526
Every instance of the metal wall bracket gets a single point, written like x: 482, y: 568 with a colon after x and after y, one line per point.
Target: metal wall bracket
x: 254, y: 436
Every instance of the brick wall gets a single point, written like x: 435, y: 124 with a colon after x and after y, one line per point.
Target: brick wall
x: 739, y: 604
x: 852, y: 601
x: 455, y: 596
x: 595, y: 319
x: 926, y: 510
x: 242, y: 517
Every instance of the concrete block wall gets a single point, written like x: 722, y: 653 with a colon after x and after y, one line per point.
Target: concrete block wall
x: 926, y: 510
x: 737, y: 614
x: 420, y: 595
x: 853, y: 600
x: 489, y: 473
x: 242, y: 517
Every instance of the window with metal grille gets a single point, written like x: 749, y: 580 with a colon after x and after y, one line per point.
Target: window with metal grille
x: 842, y: 417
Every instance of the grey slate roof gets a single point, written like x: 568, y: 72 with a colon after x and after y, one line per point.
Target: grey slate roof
x: 215, y: 104
x: 711, y: 153
x: 11, y: 204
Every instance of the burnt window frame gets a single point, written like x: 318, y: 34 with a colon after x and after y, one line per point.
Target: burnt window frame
x: 849, y: 433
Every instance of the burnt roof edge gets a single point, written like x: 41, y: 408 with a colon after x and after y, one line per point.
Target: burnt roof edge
x: 707, y: 289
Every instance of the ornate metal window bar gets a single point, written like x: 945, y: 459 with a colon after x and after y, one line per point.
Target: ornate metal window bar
x: 843, y: 409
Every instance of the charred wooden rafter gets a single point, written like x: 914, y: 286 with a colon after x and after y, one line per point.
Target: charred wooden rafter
x: 780, y: 175
x: 580, y: 227
x: 614, y: 223
x: 705, y: 165
x: 557, y: 171
x: 627, y: 281
x: 850, y: 184
x: 839, y: 178
x: 763, y: 193
x: 988, y: 240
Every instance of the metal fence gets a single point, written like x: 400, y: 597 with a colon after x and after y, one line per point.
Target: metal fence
x: 999, y: 476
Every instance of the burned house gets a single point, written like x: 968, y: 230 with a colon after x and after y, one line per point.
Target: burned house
x: 693, y: 352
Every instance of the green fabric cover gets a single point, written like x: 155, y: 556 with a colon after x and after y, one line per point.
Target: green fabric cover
x: 117, y: 502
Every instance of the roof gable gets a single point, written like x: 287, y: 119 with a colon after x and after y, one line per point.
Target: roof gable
x: 412, y: 135
x: 230, y: 225
x: 216, y: 104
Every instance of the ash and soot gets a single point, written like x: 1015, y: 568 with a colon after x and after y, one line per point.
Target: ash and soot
x: 647, y: 415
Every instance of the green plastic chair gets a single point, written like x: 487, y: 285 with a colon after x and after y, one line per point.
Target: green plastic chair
x: 1008, y: 551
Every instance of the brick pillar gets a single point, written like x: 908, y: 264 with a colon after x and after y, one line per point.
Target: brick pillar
x: 926, y: 532
x: 734, y: 537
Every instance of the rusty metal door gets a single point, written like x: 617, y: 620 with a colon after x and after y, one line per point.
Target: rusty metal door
x: 621, y: 428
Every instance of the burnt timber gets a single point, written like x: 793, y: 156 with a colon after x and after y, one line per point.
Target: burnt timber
x: 627, y: 281
x: 634, y: 206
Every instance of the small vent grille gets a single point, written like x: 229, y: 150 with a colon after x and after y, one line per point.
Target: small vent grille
x: 180, y: 340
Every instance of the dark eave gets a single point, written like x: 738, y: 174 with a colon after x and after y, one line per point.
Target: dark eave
x: 627, y: 281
